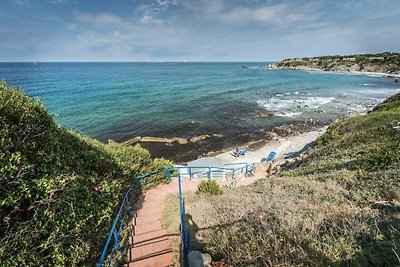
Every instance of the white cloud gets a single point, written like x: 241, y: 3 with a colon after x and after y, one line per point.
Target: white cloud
x: 166, y: 3
x: 21, y: 2
x: 102, y: 19
x: 260, y: 14
x: 150, y: 20
x: 72, y: 26
x: 55, y: 2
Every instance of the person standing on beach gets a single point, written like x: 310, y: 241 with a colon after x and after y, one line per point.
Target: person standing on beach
x: 269, y: 169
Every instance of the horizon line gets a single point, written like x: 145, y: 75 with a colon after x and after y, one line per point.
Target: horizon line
x: 144, y: 61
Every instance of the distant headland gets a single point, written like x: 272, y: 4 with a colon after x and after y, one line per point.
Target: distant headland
x: 383, y: 64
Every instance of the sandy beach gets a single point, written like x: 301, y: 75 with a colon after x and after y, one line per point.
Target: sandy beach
x: 281, y: 146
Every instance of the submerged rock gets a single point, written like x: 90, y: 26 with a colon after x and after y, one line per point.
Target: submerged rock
x: 181, y: 141
x: 132, y: 141
x: 266, y: 115
x: 150, y: 139
x: 199, y: 138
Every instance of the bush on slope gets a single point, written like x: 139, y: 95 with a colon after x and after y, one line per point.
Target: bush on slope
x: 58, y: 190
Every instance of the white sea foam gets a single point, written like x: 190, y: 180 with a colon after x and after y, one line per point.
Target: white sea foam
x: 369, y: 84
x: 287, y: 114
x: 279, y: 105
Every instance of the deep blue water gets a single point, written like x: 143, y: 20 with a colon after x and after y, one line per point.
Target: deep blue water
x: 123, y: 100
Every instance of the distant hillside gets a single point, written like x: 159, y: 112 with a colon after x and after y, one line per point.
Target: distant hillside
x: 387, y: 62
x: 58, y: 190
x: 338, y: 205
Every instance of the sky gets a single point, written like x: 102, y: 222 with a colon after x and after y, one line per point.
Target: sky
x: 194, y: 30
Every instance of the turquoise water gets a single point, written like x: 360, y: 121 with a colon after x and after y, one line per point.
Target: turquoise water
x: 224, y: 100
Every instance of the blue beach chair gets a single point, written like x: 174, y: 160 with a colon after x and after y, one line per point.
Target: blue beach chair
x: 238, y: 152
x: 244, y: 151
x: 270, y: 158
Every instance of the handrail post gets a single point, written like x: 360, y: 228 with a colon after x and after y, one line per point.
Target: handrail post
x: 190, y: 173
x: 183, y: 230
x: 168, y: 173
x: 209, y: 173
x: 247, y: 166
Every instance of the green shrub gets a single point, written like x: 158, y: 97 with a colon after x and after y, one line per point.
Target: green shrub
x: 209, y: 187
x: 59, y: 191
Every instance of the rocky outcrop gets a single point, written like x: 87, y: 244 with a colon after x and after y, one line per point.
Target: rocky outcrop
x: 151, y: 139
x: 263, y: 115
x: 387, y: 64
x: 198, y: 259
x: 132, y: 141
x: 181, y: 141
x: 199, y: 138
x: 271, y: 135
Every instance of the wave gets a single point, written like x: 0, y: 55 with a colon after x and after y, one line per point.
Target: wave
x: 287, y: 114
x: 369, y: 84
x: 279, y: 105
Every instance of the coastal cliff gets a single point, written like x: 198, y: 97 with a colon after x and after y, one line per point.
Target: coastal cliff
x: 385, y: 63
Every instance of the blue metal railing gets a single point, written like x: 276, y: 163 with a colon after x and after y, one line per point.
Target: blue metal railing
x: 193, y: 173
x: 114, y: 233
x: 184, y: 235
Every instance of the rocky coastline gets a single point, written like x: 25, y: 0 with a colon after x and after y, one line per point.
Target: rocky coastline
x: 384, y: 64
x: 171, y: 145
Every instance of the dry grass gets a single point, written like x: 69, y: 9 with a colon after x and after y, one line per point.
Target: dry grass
x: 287, y: 222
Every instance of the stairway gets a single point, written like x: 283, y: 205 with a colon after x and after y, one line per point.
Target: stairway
x: 149, y: 245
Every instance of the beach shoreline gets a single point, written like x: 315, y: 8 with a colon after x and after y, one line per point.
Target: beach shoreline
x: 276, y: 134
x: 284, y: 147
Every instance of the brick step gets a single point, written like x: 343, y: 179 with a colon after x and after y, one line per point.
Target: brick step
x: 149, y: 227
x: 150, y: 212
x: 157, y: 214
x: 148, y: 237
x: 146, y: 219
x: 149, y: 241
x: 150, y: 203
x: 149, y: 250
x: 160, y: 260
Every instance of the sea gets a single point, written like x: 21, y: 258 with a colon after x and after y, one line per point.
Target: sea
x: 233, y: 103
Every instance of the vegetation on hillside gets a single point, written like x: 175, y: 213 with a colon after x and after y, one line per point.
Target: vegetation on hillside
x: 210, y: 187
x: 339, y: 206
x: 58, y: 190
x: 384, y: 62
